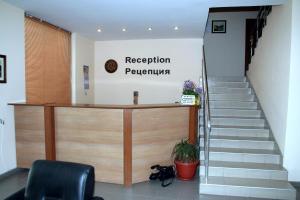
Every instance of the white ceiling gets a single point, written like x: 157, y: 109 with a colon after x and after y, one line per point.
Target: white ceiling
x: 85, y: 16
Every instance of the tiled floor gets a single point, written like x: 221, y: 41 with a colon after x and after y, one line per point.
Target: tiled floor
x: 179, y: 190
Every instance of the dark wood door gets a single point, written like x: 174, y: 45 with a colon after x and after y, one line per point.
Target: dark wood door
x: 250, y: 28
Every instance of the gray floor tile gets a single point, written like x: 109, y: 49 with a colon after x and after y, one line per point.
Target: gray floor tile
x: 12, y: 183
x: 179, y: 190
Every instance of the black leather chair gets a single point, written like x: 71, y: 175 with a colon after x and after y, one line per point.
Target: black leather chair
x: 56, y: 180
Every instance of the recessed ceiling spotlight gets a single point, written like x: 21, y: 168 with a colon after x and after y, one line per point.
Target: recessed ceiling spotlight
x: 124, y: 29
x: 99, y: 30
x: 176, y: 28
x: 149, y: 29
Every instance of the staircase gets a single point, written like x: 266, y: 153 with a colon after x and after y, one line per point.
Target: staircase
x: 244, y: 160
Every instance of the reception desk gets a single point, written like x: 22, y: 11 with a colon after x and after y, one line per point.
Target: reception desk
x: 120, y: 141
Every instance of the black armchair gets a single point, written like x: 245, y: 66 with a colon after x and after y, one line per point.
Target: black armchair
x: 58, y: 180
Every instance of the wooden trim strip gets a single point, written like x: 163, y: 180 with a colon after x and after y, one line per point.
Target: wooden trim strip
x: 108, y: 106
x: 46, y: 23
x: 234, y: 9
x: 49, y: 133
x: 127, y: 134
x: 193, y: 123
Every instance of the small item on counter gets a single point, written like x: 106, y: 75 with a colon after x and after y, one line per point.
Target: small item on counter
x: 135, y: 97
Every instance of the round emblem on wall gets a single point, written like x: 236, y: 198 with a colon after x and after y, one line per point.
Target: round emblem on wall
x: 111, y: 66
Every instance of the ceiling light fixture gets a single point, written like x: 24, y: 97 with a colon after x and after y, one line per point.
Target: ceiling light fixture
x: 176, y: 28
x: 99, y: 30
x: 124, y: 29
x: 149, y: 29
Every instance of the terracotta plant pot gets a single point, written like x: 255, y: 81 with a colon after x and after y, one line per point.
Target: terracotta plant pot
x: 186, y: 171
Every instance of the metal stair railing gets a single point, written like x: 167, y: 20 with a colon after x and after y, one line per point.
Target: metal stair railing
x: 206, y: 116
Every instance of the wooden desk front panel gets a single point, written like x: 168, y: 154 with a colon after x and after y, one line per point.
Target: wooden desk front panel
x: 30, y: 134
x: 154, y: 134
x: 92, y: 136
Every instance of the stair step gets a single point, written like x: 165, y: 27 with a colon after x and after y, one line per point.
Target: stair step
x: 231, y: 121
x: 247, y: 187
x: 238, y: 142
x: 233, y: 104
x: 227, y: 90
x: 233, y: 112
x: 228, y: 84
x: 239, y: 138
x: 227, y: 78
x: 233, y: 97
x: 242, y: 155
x: 245, y: 170
x: 238, y: 131
x: 243, y: 160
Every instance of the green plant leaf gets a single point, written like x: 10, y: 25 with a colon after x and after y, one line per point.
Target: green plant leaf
x: 185, y: 152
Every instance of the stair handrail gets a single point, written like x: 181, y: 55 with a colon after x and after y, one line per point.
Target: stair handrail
x: 206, y: 115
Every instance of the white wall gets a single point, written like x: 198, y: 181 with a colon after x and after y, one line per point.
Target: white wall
x: 274, y: 73
x: 225, y: 53
x: 292, y: 150
x: 117, y: 88
x: 11, y: 45
x: 270, y: 69
x: 82, y: 54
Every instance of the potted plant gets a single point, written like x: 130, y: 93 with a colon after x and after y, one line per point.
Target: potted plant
x: 190, y: 88
x: 186, y: 159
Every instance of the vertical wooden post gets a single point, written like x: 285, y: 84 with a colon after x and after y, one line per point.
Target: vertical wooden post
x: 193, y: 124
x: 127, y: 145
x: 49, y: 132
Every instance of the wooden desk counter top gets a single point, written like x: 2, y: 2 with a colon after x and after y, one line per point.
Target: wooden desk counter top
x: 108, y: 106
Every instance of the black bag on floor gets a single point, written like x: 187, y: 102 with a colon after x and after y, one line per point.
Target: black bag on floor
x: 163, y: 173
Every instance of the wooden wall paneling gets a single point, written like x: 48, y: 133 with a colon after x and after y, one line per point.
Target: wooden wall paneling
x: 49, y: 133
x: 154, y: 134
x: 57, y: 73
x: 193, y: 124
x: 65, y: 82
x: 34, y: 55
x: 127, y: 122
x: 92, y: 136
x: 48, y: 60
x: 30, y: 134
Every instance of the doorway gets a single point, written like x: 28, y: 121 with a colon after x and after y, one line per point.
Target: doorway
x: 250, y: 28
